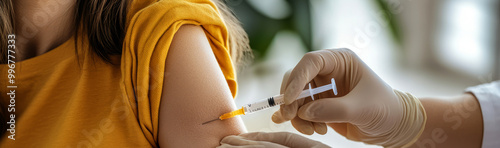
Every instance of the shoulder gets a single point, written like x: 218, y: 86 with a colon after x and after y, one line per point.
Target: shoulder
x: 172, y: 10
x: 154, y: 21
x: 189, y: 35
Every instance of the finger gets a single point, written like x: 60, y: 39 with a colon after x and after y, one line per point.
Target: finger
x: 312, y: 64
x: 284, y: 82
x: 320, y: 128
x: 328, y: 110
x: 237, y: 140
x: 283, y: 138
x: 287, y: 112
x: 271, y: 144
x: 304, y: 127
x: 264, y: 136
x: 340, y: 128
x: 278, y: 118
x: 225, y: 145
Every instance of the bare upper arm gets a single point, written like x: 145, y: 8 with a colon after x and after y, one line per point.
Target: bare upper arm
x: 194, y: 91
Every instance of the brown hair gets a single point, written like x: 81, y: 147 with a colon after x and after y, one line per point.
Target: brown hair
x: 103, y: 21
x: 6, y: 27
x: 241, y: 53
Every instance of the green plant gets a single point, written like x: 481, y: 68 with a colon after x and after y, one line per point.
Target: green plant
x: 262, y: 29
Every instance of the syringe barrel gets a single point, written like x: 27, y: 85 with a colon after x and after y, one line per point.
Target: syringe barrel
x: 264, y: 104
x: 279, y: 100
x: 271, y: 102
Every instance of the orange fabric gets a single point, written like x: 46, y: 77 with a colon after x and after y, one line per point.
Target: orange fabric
x: 62, y: 102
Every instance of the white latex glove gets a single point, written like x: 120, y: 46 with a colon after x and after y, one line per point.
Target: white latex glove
x: 366, y: 108
x: 274, y: 139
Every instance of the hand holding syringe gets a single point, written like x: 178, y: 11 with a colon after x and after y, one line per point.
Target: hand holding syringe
x: 275, y: 101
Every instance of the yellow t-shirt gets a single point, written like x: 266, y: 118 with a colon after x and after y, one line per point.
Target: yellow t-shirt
x: 62, y: 102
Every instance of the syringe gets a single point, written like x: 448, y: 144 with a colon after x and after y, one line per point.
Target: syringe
x: 274, y: 101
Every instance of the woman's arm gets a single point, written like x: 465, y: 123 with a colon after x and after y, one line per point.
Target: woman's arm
x: 452, y: 122
x: 194, y: 91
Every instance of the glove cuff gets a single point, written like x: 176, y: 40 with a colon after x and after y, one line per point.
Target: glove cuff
x: 413, y: 123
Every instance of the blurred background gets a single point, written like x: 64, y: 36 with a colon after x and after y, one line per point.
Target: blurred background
x: 427, y: 47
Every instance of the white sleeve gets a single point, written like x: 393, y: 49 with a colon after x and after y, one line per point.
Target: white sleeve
x: 488, y: 96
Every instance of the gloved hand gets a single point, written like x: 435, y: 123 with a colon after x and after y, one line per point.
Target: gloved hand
x: 275, y: 140
x: 366, y: 108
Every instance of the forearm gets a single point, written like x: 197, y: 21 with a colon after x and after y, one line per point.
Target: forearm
x: 451, y: 122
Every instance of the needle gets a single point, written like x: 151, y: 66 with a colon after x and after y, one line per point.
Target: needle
x: 227, y: 115
x: 210, y: 121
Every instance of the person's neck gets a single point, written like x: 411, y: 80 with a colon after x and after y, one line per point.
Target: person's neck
x: 41, y: 25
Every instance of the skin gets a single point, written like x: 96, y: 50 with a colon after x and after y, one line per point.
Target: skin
x: 452, y: 122
x: 42, y: 25
x: 194, y: 91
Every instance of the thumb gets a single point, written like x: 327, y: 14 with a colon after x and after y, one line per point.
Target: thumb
x: 327, y: 110
x: 312, y: 64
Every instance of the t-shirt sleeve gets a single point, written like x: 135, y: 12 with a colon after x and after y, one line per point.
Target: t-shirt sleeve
x: 488, y: 96
x: 146, y: 44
